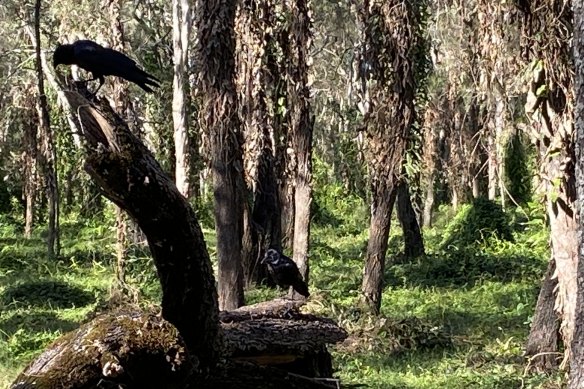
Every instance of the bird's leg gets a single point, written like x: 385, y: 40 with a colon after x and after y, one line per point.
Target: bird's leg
x: 101, y: 82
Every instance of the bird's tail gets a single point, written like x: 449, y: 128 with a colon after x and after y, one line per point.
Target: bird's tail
x: 301, y: 287
x: 145, y: 80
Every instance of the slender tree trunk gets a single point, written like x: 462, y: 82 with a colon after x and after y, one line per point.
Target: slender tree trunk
x: 47, y: 155
x: 301, y: 128
x: 577, y: 360
x: 30, y: 174
x: 181, y: 29
x: 215, y: 20
x: 121, y: 103
x: 413, y: 241
x: 543, y: 340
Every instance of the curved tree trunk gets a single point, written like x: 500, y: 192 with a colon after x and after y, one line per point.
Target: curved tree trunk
x: 128, y: 175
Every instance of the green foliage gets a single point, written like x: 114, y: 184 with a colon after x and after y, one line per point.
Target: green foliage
x: 334, y: 206
x: 476, y: 223
x: 519, y: 168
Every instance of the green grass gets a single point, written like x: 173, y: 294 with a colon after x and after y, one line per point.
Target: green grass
x: 456, y: 318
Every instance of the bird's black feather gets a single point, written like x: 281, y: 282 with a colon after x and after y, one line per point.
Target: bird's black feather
x: 102, y: 61
x: 285, y: 272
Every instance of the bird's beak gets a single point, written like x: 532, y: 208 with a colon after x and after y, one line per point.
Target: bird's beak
x: 263, y: 261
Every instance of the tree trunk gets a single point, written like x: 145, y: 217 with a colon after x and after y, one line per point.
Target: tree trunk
x: 255, y: 28
x: 215, y: 23
x: 128, y: 175
x: 552, y: 115
x: 121, y: 103
x: 30, y: 173
x: 47, y: 155
x: 301, y: 128
x: 577, y: 346
x: 413, y: 241
x: 388, y: 119
x: 542, y: 344
x: 373, y: 273
x: 181, y: 29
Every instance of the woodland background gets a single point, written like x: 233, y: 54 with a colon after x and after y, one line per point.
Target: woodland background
x: 458, y: 114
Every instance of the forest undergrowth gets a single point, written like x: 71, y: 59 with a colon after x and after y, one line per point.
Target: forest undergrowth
x: 457, y: 317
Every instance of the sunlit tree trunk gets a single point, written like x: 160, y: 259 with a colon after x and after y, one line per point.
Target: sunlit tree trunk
x: 301, y: 128
x: 181, y: 30
x: 47, y: 155
x: 577, y: 360
x: 121, y: 104
x: 551, y: 116
x: 30, y: 172
x: 216, y: 46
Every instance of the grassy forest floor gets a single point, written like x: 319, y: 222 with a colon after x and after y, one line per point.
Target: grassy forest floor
x: 456, y: 318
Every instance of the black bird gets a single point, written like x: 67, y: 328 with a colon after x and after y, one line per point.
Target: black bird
x: 101, y: 61
x: 284, y: 271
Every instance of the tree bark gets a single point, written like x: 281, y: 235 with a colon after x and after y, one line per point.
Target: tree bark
x: 301, y: 127
x: 413, y: 241
x: 577, y: 346
x: 128, y: 175
x: 30, y: 173
x: 543, y: 340
x: 255, y: 28
x: 388, y: 119
x: 181, y: 29
x: 216, y: 58
x: 373, y: 273
x: 552, y: 119
x: 47, y: 156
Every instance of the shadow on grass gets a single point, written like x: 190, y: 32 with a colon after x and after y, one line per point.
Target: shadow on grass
x: 35, y: 323
x: 50, y: 294
x: 463, y: 268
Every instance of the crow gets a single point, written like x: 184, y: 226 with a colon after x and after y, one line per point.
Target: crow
x: 101, y: 61
x: 284, y: 271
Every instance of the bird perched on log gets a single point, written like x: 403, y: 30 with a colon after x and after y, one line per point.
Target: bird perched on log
x: 102, y: 61
x: 284, y: 271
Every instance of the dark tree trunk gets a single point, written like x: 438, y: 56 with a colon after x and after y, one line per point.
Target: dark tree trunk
x: 387, y: 122
x: 47, y: 156
x: 413, y: 241
x: 255, y: 25
x: 216, y: 46
x: 381, y: 208
x: 543, y: 340
x: 128, y: 175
